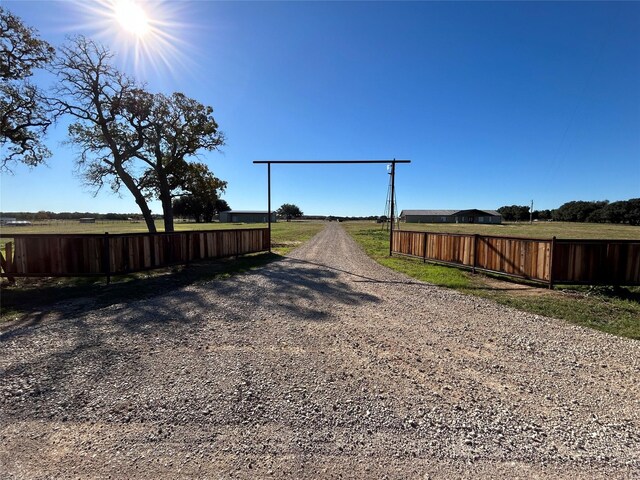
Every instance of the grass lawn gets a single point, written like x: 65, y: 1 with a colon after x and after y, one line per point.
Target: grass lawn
x: 615, y: 311
x: 285, y: 236
x: 33, y: 295
x: 535, y: 230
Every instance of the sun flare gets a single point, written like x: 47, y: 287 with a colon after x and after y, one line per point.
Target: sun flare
x: 132, y: 17
x: 148, y: 35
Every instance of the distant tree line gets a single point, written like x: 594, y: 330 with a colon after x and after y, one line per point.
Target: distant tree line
x: 44, y: 215
x: 184, y: 207
x: 623, y: 211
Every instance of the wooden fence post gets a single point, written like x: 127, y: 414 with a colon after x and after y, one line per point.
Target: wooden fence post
x: 188, y: 252
x: 551, y: 254
x: 106, y: 257
x: 424, y: 252
x: 475, y: 252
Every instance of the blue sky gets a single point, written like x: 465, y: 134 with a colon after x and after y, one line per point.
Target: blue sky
x: 494, y: 103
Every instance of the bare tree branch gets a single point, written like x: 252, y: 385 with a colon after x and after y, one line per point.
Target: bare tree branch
x: 24, y: 114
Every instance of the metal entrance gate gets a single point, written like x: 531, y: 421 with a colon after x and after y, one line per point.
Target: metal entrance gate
x: 342, y: 162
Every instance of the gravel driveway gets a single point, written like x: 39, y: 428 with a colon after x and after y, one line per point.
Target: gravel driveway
x: 322, y: 365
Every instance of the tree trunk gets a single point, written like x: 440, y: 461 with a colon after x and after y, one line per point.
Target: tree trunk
x: 140, y: 200
x: 118, y: 159
x: 167, y: 212
x: 165, y: 200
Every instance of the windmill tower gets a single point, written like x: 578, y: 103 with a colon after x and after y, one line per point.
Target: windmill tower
x: 390, y: 204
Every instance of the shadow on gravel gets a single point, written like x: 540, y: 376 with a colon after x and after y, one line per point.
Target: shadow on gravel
x: 107, y: 345
x: 35, y: 299
x: 364, y: 278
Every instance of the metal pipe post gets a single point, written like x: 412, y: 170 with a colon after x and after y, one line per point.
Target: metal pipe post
x: 393, y: 193
x: 269, y: 202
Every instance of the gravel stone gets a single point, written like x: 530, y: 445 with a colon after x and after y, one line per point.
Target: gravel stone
x: 322, y: 365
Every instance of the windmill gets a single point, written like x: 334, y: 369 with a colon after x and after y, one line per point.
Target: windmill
x: 392, y: 201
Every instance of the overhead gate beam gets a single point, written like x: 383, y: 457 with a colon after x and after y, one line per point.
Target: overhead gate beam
x: 333, y: 162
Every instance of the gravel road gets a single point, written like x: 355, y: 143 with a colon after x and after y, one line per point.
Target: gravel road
x: 322, y: 365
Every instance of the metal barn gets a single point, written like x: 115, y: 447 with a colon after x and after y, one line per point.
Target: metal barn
x: 246, y: 216
x: 451, y: 216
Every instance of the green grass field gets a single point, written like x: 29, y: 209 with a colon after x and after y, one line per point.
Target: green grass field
x: 534, y: 230
x: 616, y: 311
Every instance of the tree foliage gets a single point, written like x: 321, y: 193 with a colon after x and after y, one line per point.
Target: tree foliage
x: 129, y: 136
x: 578, y: 211
x: 289, y: 211
x: 200, y: 191
x: 624, y: 211
x: 47, y: 215
x: 222, y: 205
x: 542, y: 214
x: 24, y: 116
x: 514, y: 213
x: 189, y: 207
x: 176, y: 128
x: 95, y: 94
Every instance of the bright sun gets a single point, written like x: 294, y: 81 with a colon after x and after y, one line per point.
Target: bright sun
x: 132, y: 17
x: 145, y: 33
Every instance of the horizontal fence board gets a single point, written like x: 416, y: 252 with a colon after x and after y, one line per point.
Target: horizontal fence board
x: 89, y: 255
x: 609, y: 262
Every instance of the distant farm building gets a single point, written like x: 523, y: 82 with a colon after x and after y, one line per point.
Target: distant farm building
x: 87, y: 220
x: 18, y: 223
x: 5, y: 220
x: 451, y: 216
x: 246, y: 216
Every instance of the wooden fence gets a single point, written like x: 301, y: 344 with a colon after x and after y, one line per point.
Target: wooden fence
x: 551, y: 261
x: 79, y: 255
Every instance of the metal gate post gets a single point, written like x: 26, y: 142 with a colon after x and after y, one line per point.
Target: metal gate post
x: 269, y: 202
x: 393, y: 187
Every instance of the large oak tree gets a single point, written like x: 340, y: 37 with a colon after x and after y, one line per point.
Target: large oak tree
x: 94, y: 93
x: 127, y: 135
x: 24, y: 116
x: 178, y: 128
